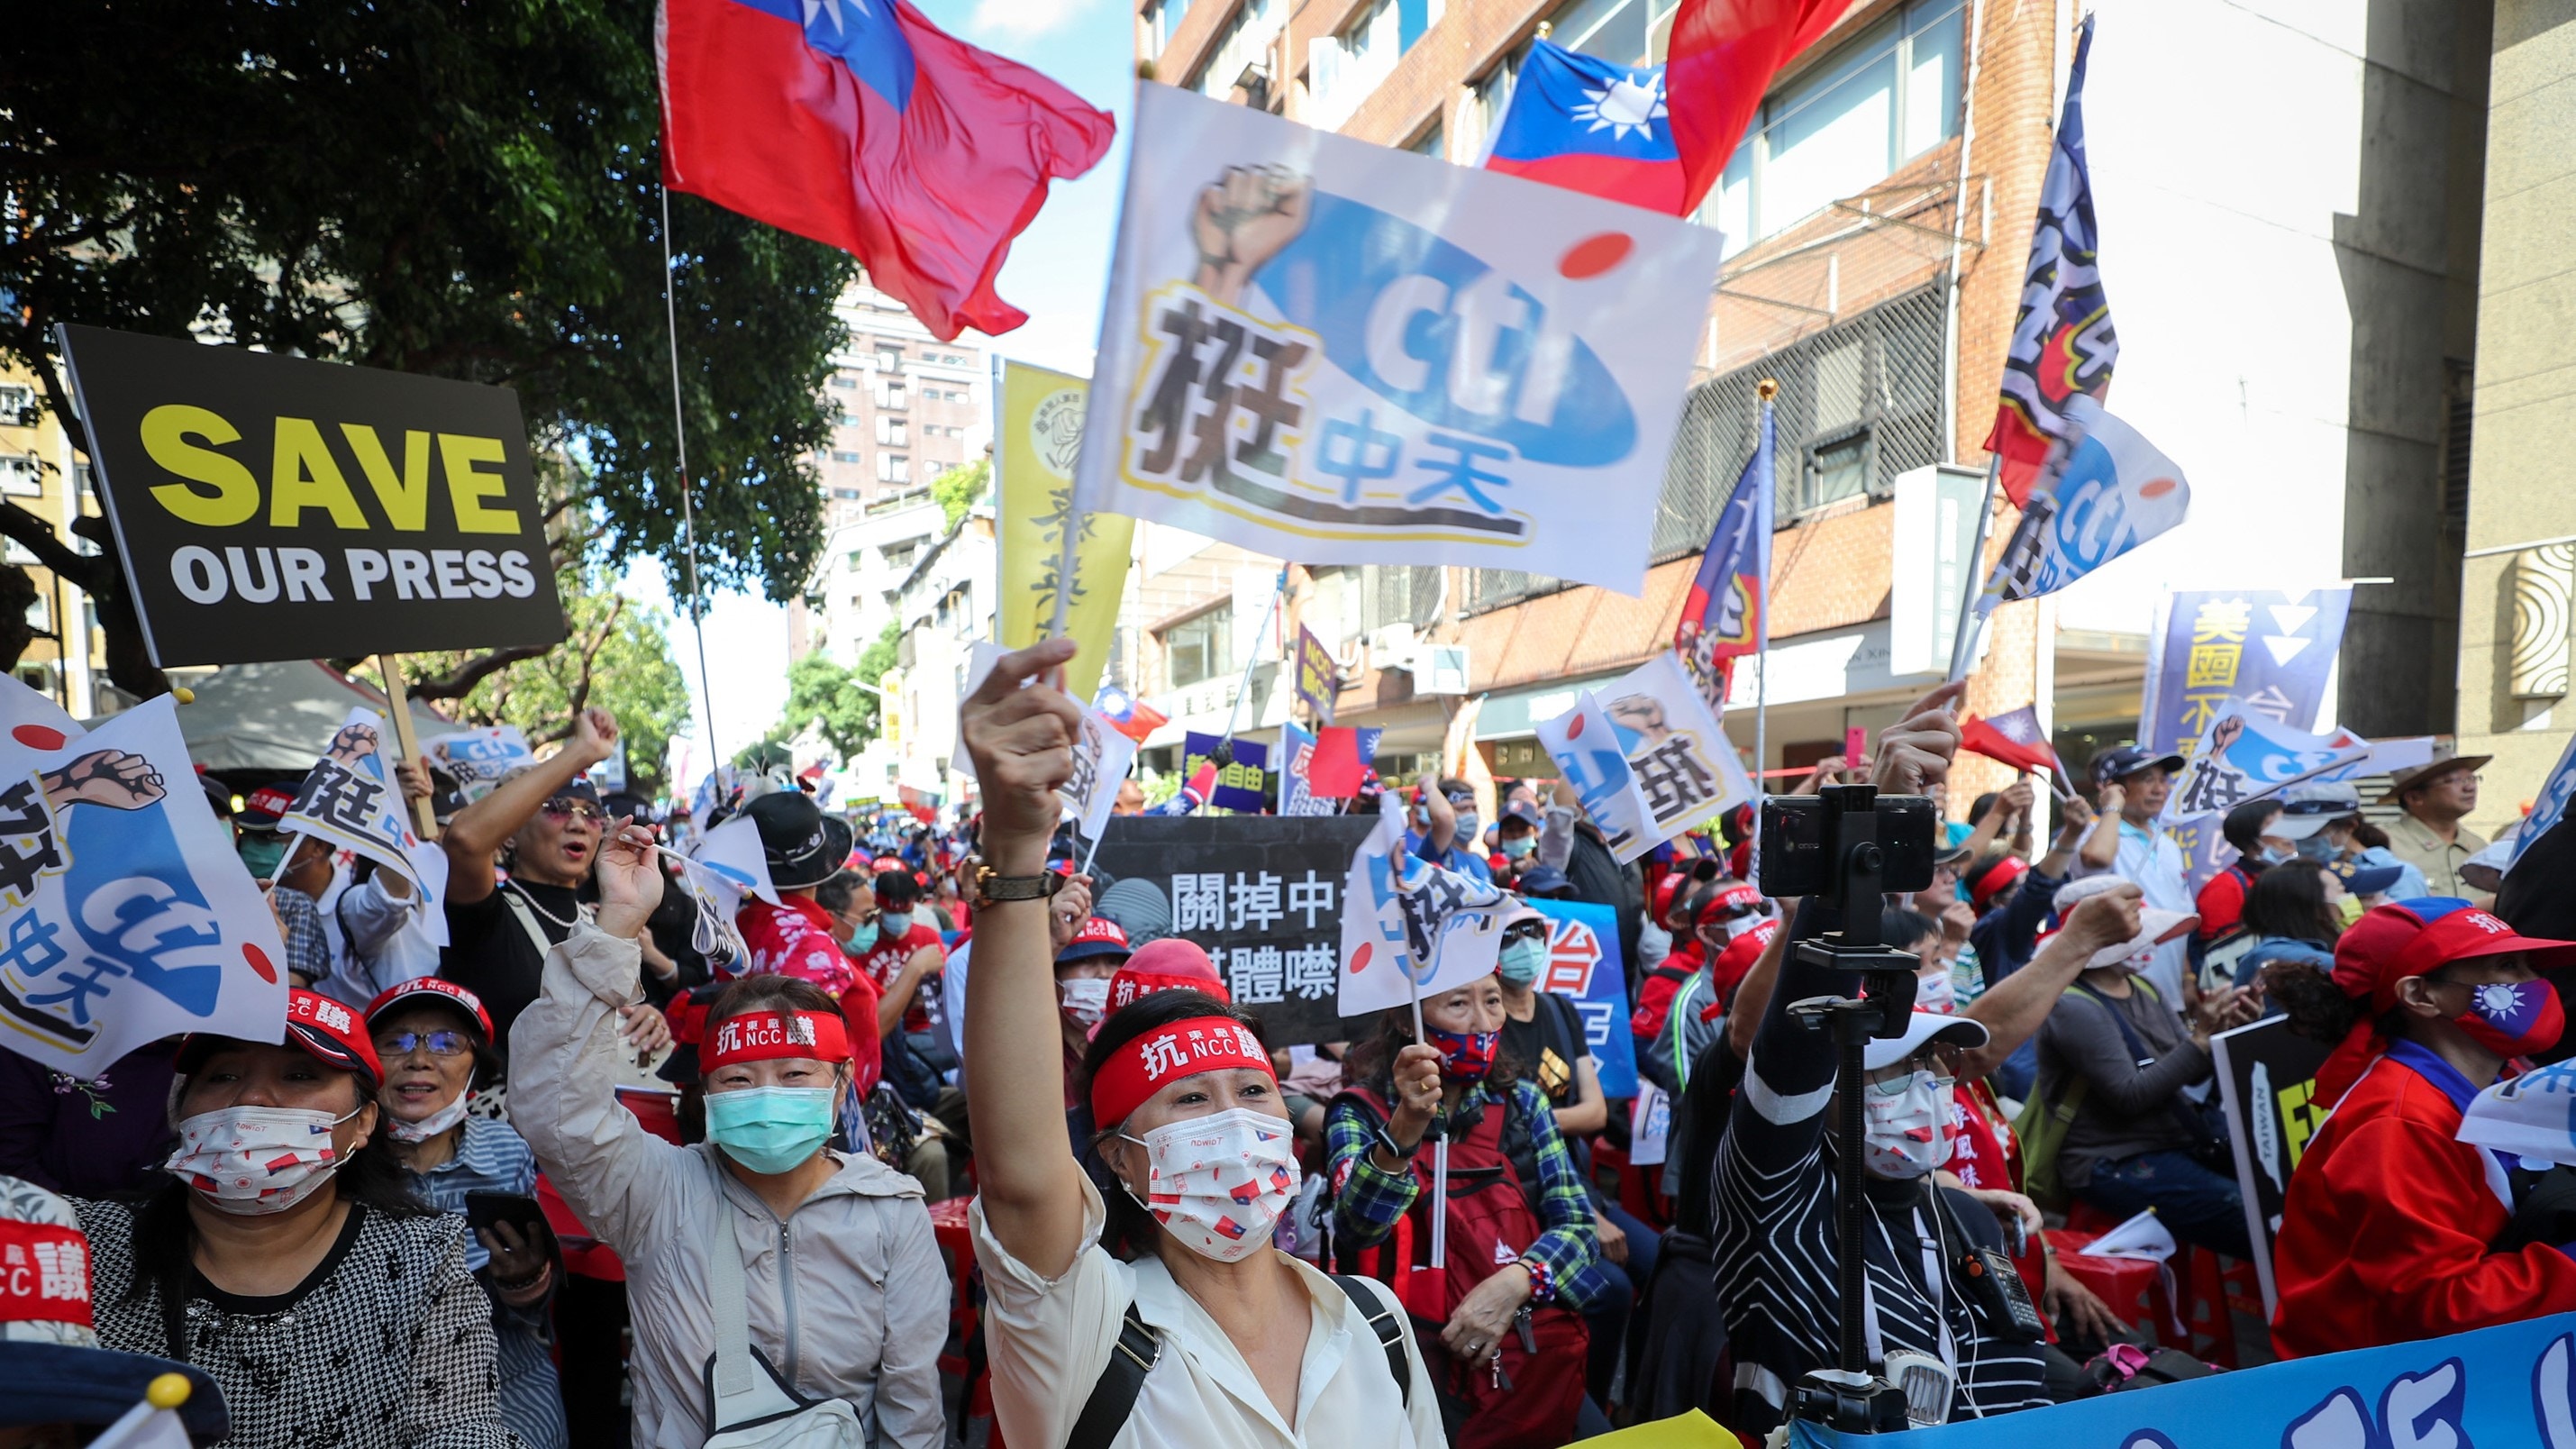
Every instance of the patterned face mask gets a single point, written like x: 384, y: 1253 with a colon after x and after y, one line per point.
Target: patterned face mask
x: 255, y: 1160
x: 1465, y: 1056
x: 1904, y: 1134
x: 1219, y: 1183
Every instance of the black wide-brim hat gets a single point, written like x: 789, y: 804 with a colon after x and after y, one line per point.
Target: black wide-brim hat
x: 804, y: 846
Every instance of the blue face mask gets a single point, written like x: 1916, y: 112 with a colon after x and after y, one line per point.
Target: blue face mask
x: 863, y: 938
x: 1522, y: 848
x: 894, y: 925
x: 770, y: 1129
x: 2316, y: 847
x: 1521, y: 961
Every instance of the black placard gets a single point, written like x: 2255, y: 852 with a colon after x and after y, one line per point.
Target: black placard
x: 2266, y: 1076
x: 272, y: 507
x: 1261, y: 893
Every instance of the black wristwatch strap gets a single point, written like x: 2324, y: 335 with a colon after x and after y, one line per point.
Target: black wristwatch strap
x: 1386, y: 1139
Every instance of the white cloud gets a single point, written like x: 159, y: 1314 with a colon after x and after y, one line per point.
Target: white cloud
x: 1023, y: 19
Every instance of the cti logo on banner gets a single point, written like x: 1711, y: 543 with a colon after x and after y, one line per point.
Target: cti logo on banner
x: 1647, y: 757
x: 272, y: 507
x: 2244, y: 755
x: 2273, y: 649
x: 1035, y: 442
x: 125, y: 917
x: 1342, y: 353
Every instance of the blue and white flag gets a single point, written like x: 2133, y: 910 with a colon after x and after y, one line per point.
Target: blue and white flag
x: 352, y: 799
x: 2273, y: 648
x: 720, y: 867
x: 1647, y: 757
x: 2244, y: 755
x: 125, y: 916
x: 1410, y: 926
x: 479, y: 759
x: 1583, y: 965
x: 2115, y: 492
x: 2551, y: 807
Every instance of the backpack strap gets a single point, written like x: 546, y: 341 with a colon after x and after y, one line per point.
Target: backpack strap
x: 1390, y: 1331
x: 1113, y: 1398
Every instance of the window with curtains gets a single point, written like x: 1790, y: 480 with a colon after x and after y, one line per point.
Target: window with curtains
x: 1881, y: 99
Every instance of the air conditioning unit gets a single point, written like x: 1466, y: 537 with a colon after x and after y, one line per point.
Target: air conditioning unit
x: 1390, y: 646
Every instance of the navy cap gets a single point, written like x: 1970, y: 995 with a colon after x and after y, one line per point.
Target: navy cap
x: 2366, y: 880
x: 2121, y: 761
x: 1522, y: 811
x: 1543, y: 880
x: 59, y: 1383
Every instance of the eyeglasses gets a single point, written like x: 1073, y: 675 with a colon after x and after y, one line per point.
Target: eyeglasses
x: 438, y: 1043
x: 566, y: 808
x: 1897, y: 1085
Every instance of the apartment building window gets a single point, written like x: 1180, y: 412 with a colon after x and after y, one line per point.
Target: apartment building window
x: 892, y: 394
x: 845, y: 382
x: 1615, y: 30
x: 893, y: 468
x: 839, y: 456
x: 22, y: 475
x: 889, y: 356
x: 17, y: 404
x: 1239, y: 44
x: 1883, y: 98
x: 1428, y: 143
x: 1345, y: 67
x: 1162, y: 18
x: 890, y: 431
x: 1200, y: 647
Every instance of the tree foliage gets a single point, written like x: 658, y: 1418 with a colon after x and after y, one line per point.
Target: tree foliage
x: 464, y: 190
x: 961, y: 488
x: 820, y: 694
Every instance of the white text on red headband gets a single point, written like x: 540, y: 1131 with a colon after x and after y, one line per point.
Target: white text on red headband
x: 771, y: 1036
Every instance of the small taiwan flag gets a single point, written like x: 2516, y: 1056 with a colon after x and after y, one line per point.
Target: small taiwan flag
x: 1587, y: 125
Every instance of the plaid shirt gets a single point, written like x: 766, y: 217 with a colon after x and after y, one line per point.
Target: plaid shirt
x: 1367, y: 1201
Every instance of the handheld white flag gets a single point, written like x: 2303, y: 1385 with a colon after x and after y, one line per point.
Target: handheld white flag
x: 2244, y: 755
x: 1647, y: 757
x: 352, y: 798
x: 1101, y: 759
x: 1408, y: 925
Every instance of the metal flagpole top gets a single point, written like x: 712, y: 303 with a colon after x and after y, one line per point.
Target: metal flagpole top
x: 1767, y: 389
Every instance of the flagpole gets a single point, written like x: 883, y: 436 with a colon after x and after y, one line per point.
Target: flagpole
x: 688, y: 506
x: 1767, y: 389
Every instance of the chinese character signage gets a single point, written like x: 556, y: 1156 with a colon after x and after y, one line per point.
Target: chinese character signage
x: 352, y: 799
x: 1583, y: 965
x: 1647, y: 757
x: 1413, y: 926
x: 1238, y: 784
x: 125, y: 916
x: 2273, y: 649
x: 1036, y: 437
x: 1344, y: 353
x: 2243, y: 755
x: 273, y: 507
x: 1262, y: 895
x: 1318, y: 677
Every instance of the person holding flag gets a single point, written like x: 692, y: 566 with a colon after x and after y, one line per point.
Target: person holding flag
x: 1178, y: 1322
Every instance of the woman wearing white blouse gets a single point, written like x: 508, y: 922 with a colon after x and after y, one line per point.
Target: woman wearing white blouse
x: 1248, y: 1348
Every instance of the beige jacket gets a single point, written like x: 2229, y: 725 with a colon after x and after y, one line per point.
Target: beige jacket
x: 849, y: 1298
x: 2413, y: 841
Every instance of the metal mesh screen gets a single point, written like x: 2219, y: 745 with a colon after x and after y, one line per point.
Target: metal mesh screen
x: 1398, y: 594
x: 1860, y: 403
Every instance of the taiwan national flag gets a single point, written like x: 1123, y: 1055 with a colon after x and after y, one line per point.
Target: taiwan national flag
x: 1584, y: 124
x: 1722, y: 614
x: 861, y: 125
x: 2014, y: 738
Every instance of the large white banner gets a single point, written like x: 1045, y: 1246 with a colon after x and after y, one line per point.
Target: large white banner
x: 125, y: 916
x: 1647, y: 757
x: 1342, y: 353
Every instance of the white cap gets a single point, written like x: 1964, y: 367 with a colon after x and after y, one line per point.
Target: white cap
x: 1926, y: 1026
x: 2307, y: 809
x: 2155, y: 927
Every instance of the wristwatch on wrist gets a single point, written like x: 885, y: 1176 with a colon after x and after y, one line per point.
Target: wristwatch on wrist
x: 1386, y: 1139
x: 992, y: 887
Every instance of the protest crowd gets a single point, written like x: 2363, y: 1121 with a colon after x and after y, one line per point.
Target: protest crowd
x: 473, y: 1092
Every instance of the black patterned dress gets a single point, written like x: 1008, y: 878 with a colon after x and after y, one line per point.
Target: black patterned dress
x: 386, y: 1345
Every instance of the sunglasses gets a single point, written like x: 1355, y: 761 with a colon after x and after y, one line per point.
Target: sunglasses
x: 438, y: 1043
x: 566, y: 808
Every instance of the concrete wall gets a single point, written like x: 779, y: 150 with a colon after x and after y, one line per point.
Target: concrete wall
x: 2526, y: 389
x: 2288, y: 252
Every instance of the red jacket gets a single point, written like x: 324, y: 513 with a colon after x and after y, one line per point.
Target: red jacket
x: 1655, y: 993
x: 2385, y: 1228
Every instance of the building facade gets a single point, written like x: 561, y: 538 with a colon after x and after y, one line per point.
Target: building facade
x: 2291, y: 287
x: 42, y: 473
x: 908, y: 407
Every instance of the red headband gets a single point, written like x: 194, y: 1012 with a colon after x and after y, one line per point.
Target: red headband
x: 763, y: 1036
x: 1184, y: 1049
x: 1998, y: 875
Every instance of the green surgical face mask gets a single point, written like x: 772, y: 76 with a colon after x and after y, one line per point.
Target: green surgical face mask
x: 770, y: 1129
x: 262, y: 853
x: 1521, y: 961
x: 863, y: 938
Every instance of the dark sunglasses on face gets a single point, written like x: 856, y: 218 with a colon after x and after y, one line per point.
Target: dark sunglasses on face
x: 438, y: 1043
x: 1532, y: 932
x: 567, y: 808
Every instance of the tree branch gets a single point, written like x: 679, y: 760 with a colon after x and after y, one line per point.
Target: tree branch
x: 474, y: 671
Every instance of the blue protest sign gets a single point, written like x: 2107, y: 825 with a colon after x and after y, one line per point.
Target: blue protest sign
x: 1238, y: 785
x: 2273, y: 649
x: 1583, y: 964
x: 2514, y: 1384
x: 2551, y: 807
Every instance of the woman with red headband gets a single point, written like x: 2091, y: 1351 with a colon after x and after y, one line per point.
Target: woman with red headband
x: 767, y: 1273
x: 2386, y: 1229
x: 1158, y: 1312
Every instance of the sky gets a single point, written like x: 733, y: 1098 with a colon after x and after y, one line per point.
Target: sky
x: 1058, y: 272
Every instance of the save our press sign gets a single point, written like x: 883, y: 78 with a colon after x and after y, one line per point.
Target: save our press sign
x: 271, y: 507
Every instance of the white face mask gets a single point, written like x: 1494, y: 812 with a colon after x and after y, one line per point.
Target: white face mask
x: 1084, y: 998
x: 1905, y: 1136
x: 1738, y: 925
x: 1934, y: 991
x: 255, y: 1160
x: 1219, y: 1183
x: 429, y: 1126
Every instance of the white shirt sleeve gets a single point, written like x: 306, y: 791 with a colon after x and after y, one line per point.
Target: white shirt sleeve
x: 1049, y: 1339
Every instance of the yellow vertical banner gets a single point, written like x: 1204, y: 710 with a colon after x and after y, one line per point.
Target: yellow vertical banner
x: 1037, y: 435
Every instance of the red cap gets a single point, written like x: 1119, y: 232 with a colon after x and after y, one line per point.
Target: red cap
x: 1666, y: 890
x: 1099, y: 936
x: 2413, y: 938
x: 435, y: 987
x: 268, y: 803
x: 1170, y: 964
x: 332, y: 1031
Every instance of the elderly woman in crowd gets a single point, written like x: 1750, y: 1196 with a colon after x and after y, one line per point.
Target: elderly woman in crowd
x: 433, y: 1038
x: 767, y: 1272
x: 1111, y: 1325
x: 290, y: 1262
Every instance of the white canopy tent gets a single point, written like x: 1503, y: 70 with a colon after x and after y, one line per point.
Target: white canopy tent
x: 278, y: 717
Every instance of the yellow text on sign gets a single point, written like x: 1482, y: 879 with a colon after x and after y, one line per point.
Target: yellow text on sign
x: 305, y: 475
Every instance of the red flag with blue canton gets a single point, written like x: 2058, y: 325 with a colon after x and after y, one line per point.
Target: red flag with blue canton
x: 1722, y: 614
x: 1721, y: 59
x: 1579, y: 122
x: 2062, y: 342
x: 861, y: 125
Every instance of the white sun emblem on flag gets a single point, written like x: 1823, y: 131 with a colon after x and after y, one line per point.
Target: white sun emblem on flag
x: 1633, y: 104
x: 2499, y: 1000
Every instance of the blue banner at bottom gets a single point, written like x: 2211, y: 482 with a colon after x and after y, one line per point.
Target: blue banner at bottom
x: 2498, y: 1386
